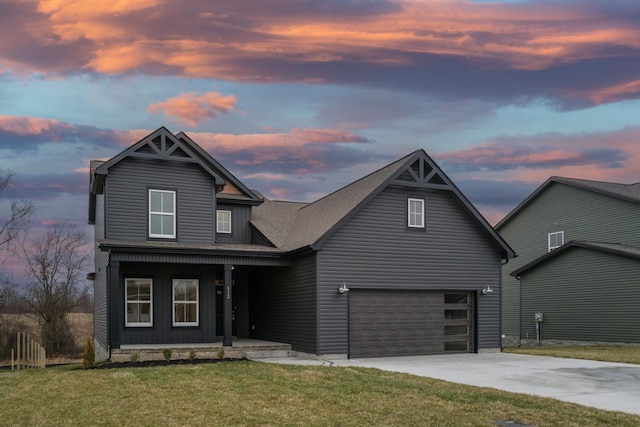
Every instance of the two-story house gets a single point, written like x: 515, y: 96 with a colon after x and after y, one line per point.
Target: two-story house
x: 577, y: 274
x: 396, y: 263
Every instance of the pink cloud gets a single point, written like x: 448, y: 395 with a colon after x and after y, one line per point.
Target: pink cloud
x: 287, y: 40
x: 192, y: 108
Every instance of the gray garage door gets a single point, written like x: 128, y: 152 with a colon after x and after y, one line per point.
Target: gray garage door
x: 403, y: 323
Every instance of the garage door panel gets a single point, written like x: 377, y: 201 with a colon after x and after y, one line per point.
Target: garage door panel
x: 399, y: 323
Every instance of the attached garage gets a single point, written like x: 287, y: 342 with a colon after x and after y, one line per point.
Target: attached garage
x: 404, y: 323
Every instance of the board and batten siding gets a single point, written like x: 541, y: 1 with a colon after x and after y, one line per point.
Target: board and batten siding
x: 376, y: 250
x: 581, y: 214
x: 584, y: 295
x: 163, y: 332
x: 127, y: 189
x: 282, y: 303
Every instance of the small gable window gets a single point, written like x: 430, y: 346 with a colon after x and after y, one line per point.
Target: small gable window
x: 555, y: 240
x: 223, y: 221
x: 162, y: 214
x: 415, y: 213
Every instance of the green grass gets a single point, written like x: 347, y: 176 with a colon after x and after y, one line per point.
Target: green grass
x: 607, y: 353
x: 253, y: 393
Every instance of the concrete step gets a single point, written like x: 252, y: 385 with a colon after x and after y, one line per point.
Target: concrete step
x: 268, y: 354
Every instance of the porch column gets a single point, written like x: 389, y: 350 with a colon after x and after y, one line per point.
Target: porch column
x: 227, y: 306
x: 116, y: 305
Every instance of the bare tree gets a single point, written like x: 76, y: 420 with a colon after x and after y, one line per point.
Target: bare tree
x: 55, y: 263
x: 16, y: 219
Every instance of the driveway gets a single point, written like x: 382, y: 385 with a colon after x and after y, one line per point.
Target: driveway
x: 604, y: 385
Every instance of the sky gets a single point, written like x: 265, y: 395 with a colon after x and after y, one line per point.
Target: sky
x: 299, y: 98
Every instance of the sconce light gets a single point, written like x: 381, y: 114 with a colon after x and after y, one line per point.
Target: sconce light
x: 343, y: 288
x: 486, y: 290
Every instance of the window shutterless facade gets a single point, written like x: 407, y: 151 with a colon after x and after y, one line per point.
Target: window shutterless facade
x: 162, y: 214
x: 223, y: 221
x: 139, y: 302
x: 415, y: 211
x: 555, y: 240
x: 185, y: 302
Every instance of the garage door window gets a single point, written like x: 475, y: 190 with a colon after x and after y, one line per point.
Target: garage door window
x: 457, y: 322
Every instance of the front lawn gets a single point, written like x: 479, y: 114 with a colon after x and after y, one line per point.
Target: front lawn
x: 607, y: 353
x: 253, y: 393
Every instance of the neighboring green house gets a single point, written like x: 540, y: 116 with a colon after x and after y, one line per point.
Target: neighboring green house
x: 578, y: 264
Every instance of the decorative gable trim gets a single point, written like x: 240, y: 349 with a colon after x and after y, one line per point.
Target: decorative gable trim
x: 163, y: 145
x: 422, y: 173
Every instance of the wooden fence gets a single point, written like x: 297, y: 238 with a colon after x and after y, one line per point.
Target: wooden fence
x: 28, y: 355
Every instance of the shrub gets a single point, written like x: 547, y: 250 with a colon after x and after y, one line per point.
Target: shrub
x: 167, y: 354
x: 89, y: 354
x: 192, y: 354
x: 221, y: 352
x: 134, y: 356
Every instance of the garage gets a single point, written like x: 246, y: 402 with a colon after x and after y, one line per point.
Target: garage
x: 404, y: 323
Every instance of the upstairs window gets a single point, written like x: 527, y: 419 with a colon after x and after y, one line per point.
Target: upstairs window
x: 139, y: 300
x: 162, y: 214
x: 556, y: 240
x: 223, y: 221
x: 415, y: 213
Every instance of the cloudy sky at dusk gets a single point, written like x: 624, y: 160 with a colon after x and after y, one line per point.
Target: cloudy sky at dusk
x: 298, y: 98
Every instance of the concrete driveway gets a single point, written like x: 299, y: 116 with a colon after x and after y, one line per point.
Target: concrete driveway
x: 604, y: 385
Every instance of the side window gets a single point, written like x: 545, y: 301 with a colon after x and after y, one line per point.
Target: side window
x: 223, y: 221
x: 139, y: 302
x: 162, y: 214
x: 555, y: 240
x: 185, y: 302
x: 415, y: 210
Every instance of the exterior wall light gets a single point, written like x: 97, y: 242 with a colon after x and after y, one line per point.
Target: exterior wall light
x: 343, y: 288
x: 486, y: 290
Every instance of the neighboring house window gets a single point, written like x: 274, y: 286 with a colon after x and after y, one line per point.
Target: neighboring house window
x: 185, y: 302
x: 139, y: 300
x: 416, y: 213
x: 223, y: 222
x: 162, y: 213
x: 556, y: 240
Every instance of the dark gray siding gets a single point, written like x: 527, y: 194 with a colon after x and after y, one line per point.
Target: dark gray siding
x: 127, y: 188
x: 584, y: 295
x: 283, y: 304
x: 101, y: 259
x: 375, y: 250
x: 162, y: 331
x: 581, y: 214
x: 240, y: 231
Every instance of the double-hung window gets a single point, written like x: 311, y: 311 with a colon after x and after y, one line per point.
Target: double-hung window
x: 139, y: 300
x: 415, y: 212
x: 162, y: 214
x: 223, y: 221
x: 185, y: 302
x: 555, y: 240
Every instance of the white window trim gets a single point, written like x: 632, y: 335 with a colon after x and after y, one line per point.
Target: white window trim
x: 196, y: 303
x: 150, y: 302
x: 173, y: 215
x: 549, y: 247
x: 409, y: 224
x: 218, y: 230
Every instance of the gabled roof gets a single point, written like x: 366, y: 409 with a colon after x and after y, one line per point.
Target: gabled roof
x: 628, y: 192
x: 619, y: 249
x: 162, y: 144
x: 298, y: 226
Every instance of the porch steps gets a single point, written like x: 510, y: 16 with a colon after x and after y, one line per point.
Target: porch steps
x: 269, y: 354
